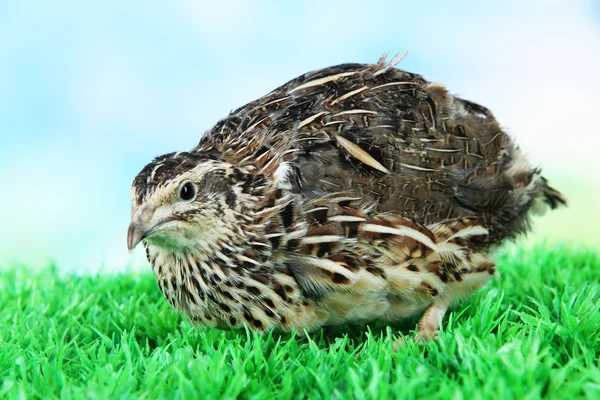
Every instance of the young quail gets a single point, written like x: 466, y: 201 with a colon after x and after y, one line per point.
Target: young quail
x: 349, y: 194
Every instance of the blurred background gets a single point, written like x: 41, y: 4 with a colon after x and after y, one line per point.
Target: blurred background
x: 92, y: 91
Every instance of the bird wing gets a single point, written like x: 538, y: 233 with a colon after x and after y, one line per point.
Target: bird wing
x: 394, y: 263
x: 388, y: 136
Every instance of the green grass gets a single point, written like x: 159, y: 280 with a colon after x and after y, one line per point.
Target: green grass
x: 532, y: 333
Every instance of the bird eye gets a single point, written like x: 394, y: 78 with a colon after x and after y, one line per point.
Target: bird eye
x: 187, y: 191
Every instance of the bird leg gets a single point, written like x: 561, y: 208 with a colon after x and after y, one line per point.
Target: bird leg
x: 429, y: 324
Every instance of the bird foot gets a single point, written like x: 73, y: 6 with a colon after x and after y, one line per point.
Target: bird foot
x: 429, y: 325
x: 420, y: 338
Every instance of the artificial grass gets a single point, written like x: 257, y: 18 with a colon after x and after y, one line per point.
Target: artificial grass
x: 534, y: 332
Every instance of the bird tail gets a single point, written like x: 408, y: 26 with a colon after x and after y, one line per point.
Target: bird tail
x: 551, y: 196
x: 547, y: 197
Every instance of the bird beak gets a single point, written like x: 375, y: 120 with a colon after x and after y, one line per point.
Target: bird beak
x: 135, y: 234
x: 139, y: 227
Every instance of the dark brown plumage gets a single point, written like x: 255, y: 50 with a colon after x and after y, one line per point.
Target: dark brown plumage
x: 351, y: 193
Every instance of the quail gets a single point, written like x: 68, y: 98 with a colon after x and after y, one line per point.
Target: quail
x: 349, y: 194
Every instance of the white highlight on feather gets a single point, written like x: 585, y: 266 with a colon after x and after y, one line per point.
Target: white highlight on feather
x: 334, y: 123
x: 323, y: 80
x: 346, y: 218
x: 393, y: 84
x: 263, y: 155
x: 451, y: 253
x: 443, y: 150
x: 253, y: 243
x: 334, y: 199
x: 216, y: 267
x: 355, y: 151
x: 300, y: 233
x: 349, y: 94
x: 222, y: 256
x: 400, y: 231
x: 273, y: 235
x: 355, y: 111
x: 494, y: 138
x: 330, y: 183
x: 282, y: 176
x: 290, y: 151
x: 267, y: 211
x: 311, y: 119
x: 267, y: 165
x: 151, y: 177
x: 416, y: 168
x: 276, y: 101
x: 470, y: 231
x: 243, y: 258
x: 381, y: 126
x: 322, y: 239
x: 316, y: 209
x: 332, y: 266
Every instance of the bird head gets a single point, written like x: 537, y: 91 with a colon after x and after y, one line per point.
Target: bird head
x: 189, y: 202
